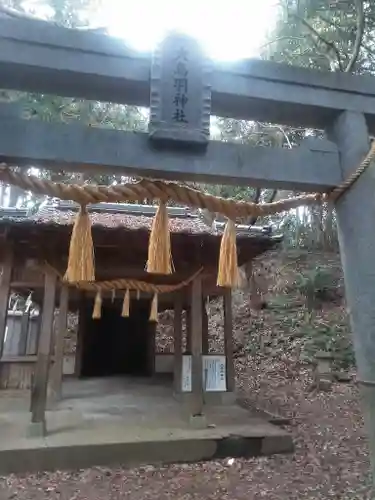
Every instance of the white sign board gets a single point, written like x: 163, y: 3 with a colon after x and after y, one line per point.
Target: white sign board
x: 214, y: 373
x: 213, y: 376
x: 186, y: 373
x: 69, y: 365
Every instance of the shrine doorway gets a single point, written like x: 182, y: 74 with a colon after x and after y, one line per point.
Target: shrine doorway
x: 113, y: 345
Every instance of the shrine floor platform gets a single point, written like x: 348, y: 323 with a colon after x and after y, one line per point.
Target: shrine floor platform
x: 127, y: 421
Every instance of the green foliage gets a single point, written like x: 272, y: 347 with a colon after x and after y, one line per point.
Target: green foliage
x: 68, y: 13
x: 235, y: 192
x: 310, y: 229
x: 95, y: 114
x: 332, y: 335
x: 73, y: 14
x: 315, y: 285
x: 288, y: 329
x: 322, y: 34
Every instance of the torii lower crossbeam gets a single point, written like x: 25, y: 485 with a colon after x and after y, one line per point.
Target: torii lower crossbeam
x: 312, y: 167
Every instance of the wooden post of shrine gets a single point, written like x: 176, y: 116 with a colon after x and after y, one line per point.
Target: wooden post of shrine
x: 39, y: 389
x: 177, y: 331
x: 228, y: 339
x: 22, y: 343
x: 196, y: 409
x: 188, y: 327
x: 205, y: 338
x: 6, y: 277
x: 80, y: 333
x: 57, y: 369
x: 355, y: 216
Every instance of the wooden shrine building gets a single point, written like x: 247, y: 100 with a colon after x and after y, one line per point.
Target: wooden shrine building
x: 34, y: 253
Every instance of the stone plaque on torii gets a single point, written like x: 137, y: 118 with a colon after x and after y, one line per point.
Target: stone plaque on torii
x: 180, y: 93
x: 38, y: 57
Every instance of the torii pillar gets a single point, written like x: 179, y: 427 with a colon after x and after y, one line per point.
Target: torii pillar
x: 356, y: 229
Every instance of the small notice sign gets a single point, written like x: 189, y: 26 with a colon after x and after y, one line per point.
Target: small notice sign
x: 213, y: 376
x: 186, y: 373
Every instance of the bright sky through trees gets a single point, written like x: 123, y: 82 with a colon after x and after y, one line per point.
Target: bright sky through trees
x: 227, y: 30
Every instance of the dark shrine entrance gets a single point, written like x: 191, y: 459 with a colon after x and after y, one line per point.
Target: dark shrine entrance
x: 113, y: 345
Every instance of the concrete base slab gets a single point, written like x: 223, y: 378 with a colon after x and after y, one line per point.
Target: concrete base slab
x: 36, y: 429
x: 44, y: 457
x: 210, y: 398
x: 128, y: 422
x: 198, y: 421
x: 228, y: 398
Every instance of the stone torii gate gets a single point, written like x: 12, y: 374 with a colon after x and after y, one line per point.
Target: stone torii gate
x: 182, y: 89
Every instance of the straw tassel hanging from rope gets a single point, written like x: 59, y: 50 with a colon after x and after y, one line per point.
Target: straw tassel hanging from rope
x: 228, y: 275
x: 154, y: 309
x: 126, y: 305
x: 97, y: 311
x: 81, y: 266
x: 159, y: 246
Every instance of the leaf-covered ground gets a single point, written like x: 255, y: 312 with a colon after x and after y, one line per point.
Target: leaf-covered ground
x: 330, y: 459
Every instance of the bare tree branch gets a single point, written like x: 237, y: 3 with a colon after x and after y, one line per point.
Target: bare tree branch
x: 359, y: 35
x: 280, y: 39
x: 284, y: 134
x: 256, y: 199
x: 365, y: 46
x: 273, y: 196
x: 327, y: 43
x: 329, y: 22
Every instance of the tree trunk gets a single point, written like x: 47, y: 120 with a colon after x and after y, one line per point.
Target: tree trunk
x: 14, y: 194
